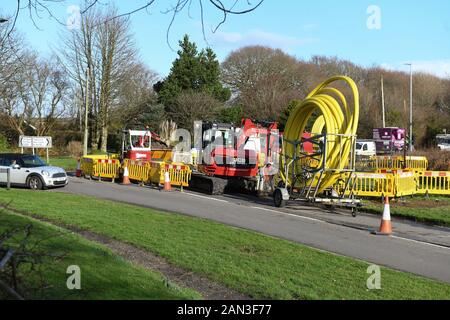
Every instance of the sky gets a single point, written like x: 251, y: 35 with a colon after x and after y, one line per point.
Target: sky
x: 386, y: 33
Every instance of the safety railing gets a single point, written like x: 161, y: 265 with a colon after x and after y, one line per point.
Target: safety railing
x: 154, y: 171
x: 100, y: 167
x: 369, y: 185
x: 433, y: 182
x: 137, y: 170
x: 179, y: 174
x: 405, y: 183
x: 378, y: 163
x: 396, y: 184
x: 87, y: 166
x: 107, y: 168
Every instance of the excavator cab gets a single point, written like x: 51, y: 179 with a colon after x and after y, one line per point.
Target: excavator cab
x: 136, y: 145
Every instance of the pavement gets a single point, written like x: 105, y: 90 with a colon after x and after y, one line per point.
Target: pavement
x: 419, y: 249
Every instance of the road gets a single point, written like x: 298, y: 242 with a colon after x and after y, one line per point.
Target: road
x: 413, y: 248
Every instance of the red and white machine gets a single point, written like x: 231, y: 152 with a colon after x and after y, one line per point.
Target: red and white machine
x: 138, y: 145
x: 232, y: 156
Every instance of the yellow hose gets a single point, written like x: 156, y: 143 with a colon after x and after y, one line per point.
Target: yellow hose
x: 336, y: 117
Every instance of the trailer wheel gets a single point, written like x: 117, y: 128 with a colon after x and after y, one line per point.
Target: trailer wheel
x: 278, y: 199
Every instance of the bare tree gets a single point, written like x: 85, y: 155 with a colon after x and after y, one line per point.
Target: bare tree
x: 136, y: 100
x: 117, y: 53
x: 35, y: 96
x: 193, y: 106
x: 264, y: 80
x: 104, y: 52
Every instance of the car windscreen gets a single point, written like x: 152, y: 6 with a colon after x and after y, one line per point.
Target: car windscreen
x: 30, y: 161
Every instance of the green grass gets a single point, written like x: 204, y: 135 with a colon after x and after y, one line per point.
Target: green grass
x: 434, y: 210
x: 255, y: 264
x: 104, y: 275
x: 67, y: 163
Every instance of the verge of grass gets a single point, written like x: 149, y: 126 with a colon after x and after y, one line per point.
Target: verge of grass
x: 417, y: 209
x: 104, y: 275
x: 67, y: 163
x: 252, y: 263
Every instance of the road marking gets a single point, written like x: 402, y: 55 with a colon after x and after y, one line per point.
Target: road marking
x: 208, y: 198
x: 421, y: 242
x: 288, y: 214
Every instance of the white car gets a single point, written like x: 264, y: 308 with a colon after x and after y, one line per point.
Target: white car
x: 30, y: 171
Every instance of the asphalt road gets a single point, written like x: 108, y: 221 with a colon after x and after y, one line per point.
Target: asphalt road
x: 413, y: 248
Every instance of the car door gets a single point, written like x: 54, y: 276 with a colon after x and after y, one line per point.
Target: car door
x: 19, y: 175
x: 3, y: 173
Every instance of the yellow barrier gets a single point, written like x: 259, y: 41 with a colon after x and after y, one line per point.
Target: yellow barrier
x: 433, y: 182
x: 369, y: 185
x: 153, y: 172
x: 179, y: 174
x: 137, y: 170
x: 93, y: 166
x: 396, y: 184
x: 87, y: 166
x: 394, y: 163
x: 405, y: 184
x: 108, y: 156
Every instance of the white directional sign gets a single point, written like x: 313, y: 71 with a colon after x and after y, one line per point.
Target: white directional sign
x: 35, y: 142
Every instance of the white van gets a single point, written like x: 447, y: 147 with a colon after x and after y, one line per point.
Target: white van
x: 366, y: 148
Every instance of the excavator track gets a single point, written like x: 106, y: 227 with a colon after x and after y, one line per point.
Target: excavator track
x: 216, y: 185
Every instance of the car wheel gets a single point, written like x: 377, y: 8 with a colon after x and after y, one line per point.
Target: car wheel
x: 35, y: 183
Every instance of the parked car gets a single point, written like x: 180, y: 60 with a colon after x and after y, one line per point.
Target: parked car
x: 443, y: 141
x: 30, y: 171
x: 366, y: 148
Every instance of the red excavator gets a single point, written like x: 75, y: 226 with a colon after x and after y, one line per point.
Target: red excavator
x: 230, y: 157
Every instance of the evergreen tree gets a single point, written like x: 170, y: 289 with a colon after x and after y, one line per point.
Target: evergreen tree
x: 192, y: 71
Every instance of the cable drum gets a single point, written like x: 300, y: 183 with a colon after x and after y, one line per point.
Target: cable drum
x: 334, y: 122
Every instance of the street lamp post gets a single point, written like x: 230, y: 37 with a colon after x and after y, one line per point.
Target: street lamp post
x: 410, y: 107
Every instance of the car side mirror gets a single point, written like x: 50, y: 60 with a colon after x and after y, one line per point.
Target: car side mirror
x: 16, y: 166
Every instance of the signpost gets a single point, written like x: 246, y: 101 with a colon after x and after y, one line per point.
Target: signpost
x: 35, y: 143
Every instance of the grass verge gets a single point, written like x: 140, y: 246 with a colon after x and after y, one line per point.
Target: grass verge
x: 433, y: 210
x: 67, y: 163
x: 252, y: 263
x: 104, y: 275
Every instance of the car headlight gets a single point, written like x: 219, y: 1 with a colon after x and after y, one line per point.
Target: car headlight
x: 45, y: 173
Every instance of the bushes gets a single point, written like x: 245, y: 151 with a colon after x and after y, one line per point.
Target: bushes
x: 3, y: 143
x: 437, y: 160
x: 75, y: 149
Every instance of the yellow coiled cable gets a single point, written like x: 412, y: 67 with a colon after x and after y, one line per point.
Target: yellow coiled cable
x: 337, y: 117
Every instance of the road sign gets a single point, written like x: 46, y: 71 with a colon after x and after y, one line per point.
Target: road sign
x: 35, y: 142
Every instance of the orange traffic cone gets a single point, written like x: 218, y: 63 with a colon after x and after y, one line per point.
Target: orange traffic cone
x: 78, y: 172
x: 386, y: 226
x: 167, y: 186
x: 125, y: 179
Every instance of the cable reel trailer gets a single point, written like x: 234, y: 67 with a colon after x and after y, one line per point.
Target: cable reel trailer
x: 325, y: 175
x: 307, y: 176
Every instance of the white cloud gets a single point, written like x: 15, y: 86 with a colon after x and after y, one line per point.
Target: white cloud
x: 258, y: 37
x: 440, y: 68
